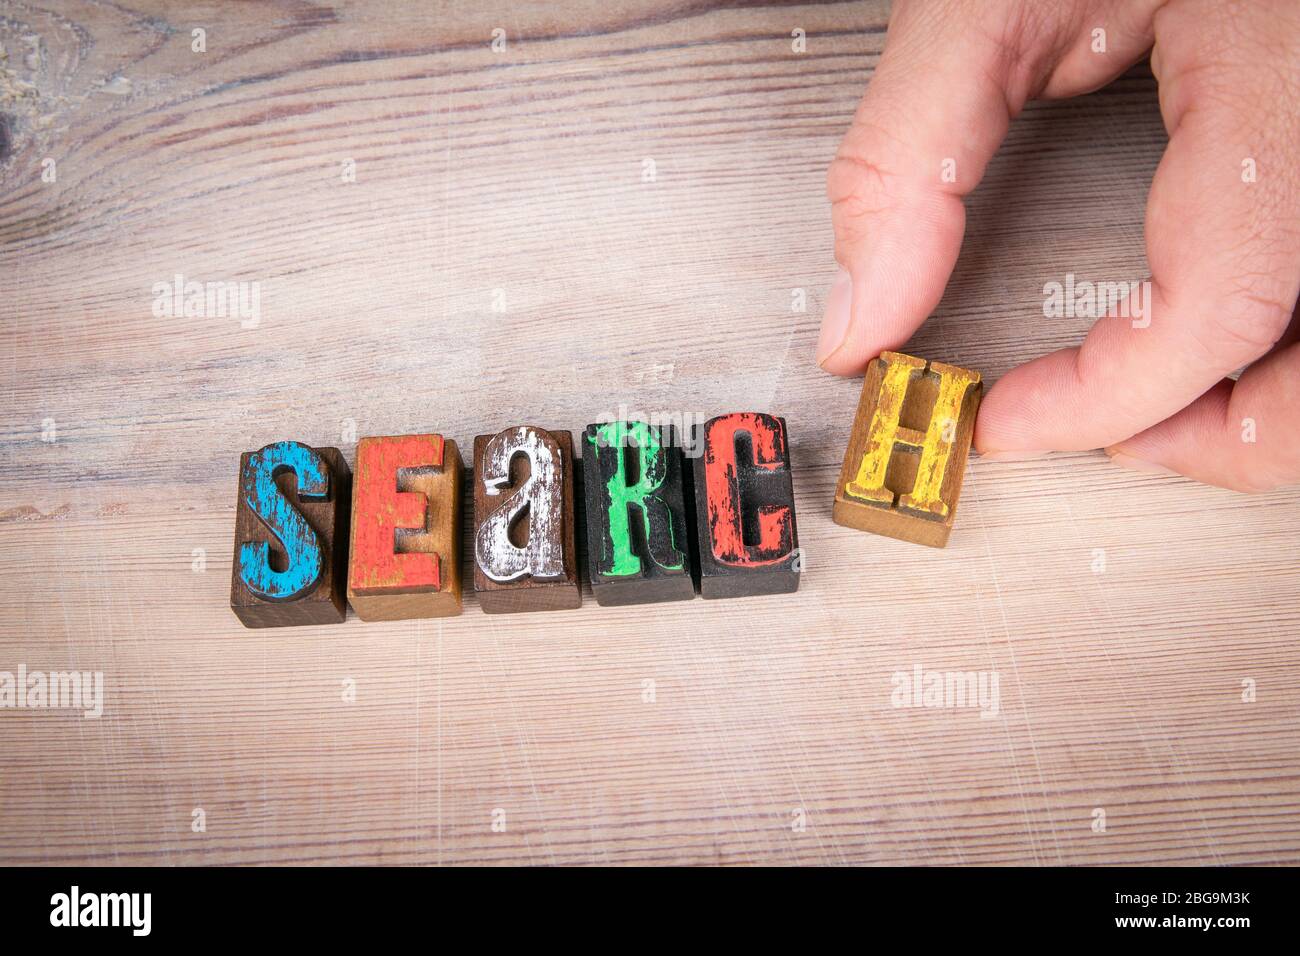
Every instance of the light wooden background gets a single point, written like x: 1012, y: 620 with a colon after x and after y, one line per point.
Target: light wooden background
x: 523, y: 171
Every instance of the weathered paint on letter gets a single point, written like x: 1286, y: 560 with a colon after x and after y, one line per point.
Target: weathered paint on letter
x: 542, y: 493
x: 303, y: 548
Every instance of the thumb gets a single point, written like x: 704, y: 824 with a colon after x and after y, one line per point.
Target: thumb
x: 952, y: 76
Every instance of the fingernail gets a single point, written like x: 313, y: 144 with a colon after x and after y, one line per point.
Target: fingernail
x: 1138, y: 464
x: 1014, y: 455
x: 835, y: 323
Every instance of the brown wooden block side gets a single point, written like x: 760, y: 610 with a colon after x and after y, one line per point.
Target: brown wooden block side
x: 528, y: 592
x: 326, y: 603
x: 893, y: 517
x: 384, y: 584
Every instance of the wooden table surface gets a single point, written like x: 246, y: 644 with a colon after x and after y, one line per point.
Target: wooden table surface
x: 616, y: 209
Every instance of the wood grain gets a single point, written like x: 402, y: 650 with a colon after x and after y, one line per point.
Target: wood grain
x: 506, y: 253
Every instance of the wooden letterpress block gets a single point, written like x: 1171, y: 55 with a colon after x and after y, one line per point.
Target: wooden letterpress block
x: 405, y: 560
x: 291, y: 532
x: 906, y: 458
x: 525, y: 555
x: 744, y: 507
x: 638, y: 548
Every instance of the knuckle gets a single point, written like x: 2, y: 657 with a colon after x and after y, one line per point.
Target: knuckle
x: 1252, y: 320
x: 860, y: 172
x: 858, y: 193
x: 856, y: 183
x: 1236, y: 54
x: 1240, y: 319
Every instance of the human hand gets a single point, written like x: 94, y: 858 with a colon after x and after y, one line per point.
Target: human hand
x: 1223, y: 246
